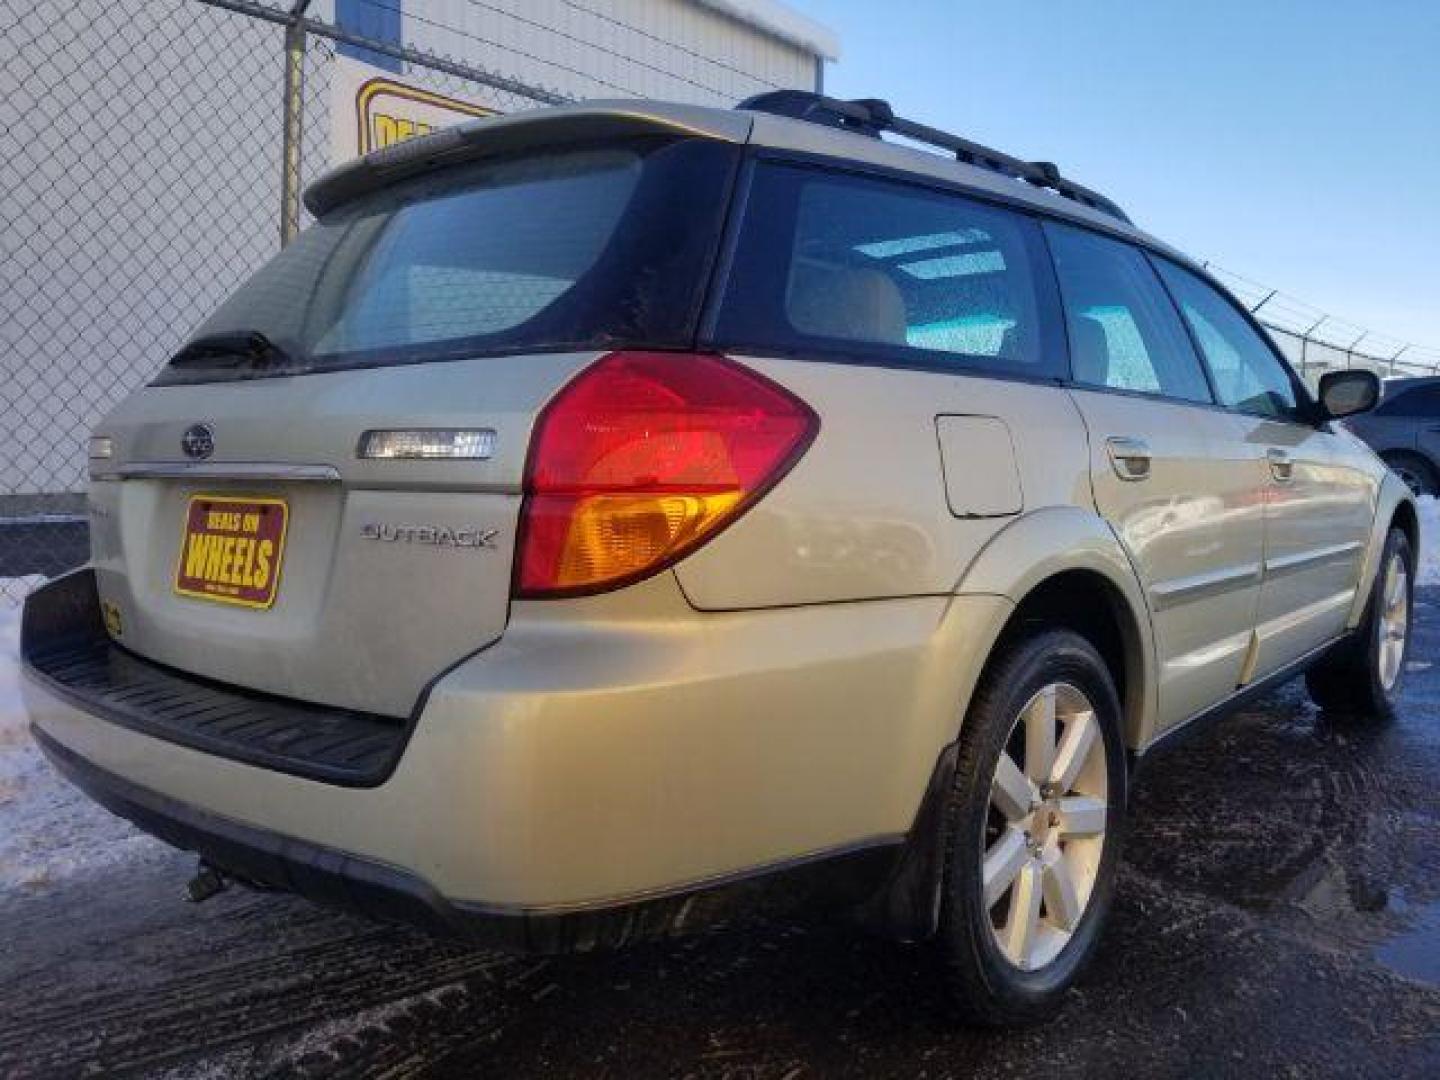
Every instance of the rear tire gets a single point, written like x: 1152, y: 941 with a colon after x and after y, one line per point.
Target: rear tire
x: 1362, y: 677
x: 1044, y: 812
x: 1418, y: 474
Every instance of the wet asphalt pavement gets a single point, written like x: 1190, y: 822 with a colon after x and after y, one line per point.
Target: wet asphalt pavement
x: 1278, y: 915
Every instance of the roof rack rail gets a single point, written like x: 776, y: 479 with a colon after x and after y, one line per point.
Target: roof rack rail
x: 871, y: 116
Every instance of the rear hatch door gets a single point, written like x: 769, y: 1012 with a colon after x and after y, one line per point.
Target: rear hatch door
x: 242, y: 529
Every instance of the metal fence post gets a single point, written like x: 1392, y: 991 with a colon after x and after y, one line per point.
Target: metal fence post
x: 294, y: 115
x: 1350, y: 350
x: 1399, y: 353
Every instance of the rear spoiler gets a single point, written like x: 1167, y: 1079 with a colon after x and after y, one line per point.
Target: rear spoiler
x: 491, y: 136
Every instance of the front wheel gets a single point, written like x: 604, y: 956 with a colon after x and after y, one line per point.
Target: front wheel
x: 1362, y: 677
x: 1034, y: 824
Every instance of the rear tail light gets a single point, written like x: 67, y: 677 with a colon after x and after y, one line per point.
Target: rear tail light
x: 643, y: 457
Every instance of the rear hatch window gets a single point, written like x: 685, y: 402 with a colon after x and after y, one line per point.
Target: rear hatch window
x: 575, y: 248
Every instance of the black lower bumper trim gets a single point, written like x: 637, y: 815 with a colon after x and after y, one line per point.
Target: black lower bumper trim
x: 390, y: 894
x: 64, y: 646
x: 258, y: 855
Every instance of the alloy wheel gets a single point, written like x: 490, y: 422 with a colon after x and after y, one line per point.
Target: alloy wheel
x: 1045, y: 829
x: 1394, y: 620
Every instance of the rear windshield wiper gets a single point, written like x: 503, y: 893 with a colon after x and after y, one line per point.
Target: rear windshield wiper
x: 230, y: 348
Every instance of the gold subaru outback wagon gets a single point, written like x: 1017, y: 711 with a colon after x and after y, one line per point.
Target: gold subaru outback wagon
x: 605, y: 516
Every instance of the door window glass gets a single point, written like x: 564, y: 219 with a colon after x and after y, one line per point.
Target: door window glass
x: 850, y: 265
x: 1123, y: 330
x: 1247, y: 373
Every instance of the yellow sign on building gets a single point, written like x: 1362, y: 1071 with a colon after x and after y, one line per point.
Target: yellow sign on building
x: 371, y: 109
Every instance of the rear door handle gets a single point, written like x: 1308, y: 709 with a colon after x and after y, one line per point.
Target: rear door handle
x: 1281, y: 467
x: 1129, y: 457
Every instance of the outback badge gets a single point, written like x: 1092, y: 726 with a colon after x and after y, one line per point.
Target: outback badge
x: 432, y: 535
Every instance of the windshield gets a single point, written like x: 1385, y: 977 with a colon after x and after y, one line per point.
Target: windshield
x: 592, y: 247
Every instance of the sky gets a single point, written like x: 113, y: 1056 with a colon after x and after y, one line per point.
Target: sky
x: 1295, y: 143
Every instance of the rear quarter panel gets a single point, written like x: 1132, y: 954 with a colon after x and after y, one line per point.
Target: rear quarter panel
x: 865, y: 512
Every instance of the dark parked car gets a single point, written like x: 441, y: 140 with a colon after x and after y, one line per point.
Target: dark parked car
x: 1404, y: 429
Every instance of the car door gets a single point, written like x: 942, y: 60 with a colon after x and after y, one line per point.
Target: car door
x: 1173, y: 474
x: 1320, y: 489
x: 1427, y: 421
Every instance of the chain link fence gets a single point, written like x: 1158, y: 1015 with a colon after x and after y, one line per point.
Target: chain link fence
x: 1315, y: 341
x: 153, y: 175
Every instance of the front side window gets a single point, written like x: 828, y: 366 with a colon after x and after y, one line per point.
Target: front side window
x: 842, y: 264
x: 1123, y: 331
x: 1246, y: 372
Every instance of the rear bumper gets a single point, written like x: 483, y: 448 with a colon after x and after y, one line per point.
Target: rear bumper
x: 592, y: 774
x: 388, y: 894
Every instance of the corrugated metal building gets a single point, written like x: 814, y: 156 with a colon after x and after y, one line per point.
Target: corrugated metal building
x: 703, y: 51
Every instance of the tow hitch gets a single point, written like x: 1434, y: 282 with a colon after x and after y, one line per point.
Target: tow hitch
x: 206, y: 883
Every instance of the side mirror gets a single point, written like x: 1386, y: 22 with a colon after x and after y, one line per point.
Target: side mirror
x: 1345, y: 393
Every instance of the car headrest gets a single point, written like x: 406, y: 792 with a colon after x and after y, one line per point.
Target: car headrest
x: 1089, y: 351
x: 853, y: 303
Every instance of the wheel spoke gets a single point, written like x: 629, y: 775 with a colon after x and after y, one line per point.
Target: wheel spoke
x: 1080, y: 816
x: 1002, y: 863
x: 1081, y: 731
x: 1011, y: 791
x: 1040, y: 735
x: 1390, y: 656
x: 1061, y: 902
x: 1394, y: 585
x: 1023, y: 924
x: 1039, y: 864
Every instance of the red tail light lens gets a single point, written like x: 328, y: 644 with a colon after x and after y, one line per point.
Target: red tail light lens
x: 643, y: 457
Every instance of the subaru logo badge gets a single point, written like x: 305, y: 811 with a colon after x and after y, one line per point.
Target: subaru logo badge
x: 198, y: 442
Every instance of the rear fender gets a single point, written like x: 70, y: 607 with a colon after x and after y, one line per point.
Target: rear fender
x: 1022, y: 556
x: 1056, y: 540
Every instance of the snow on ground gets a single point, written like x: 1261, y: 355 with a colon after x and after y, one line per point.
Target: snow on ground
x: 48, y: 830
x: 1429, y: 541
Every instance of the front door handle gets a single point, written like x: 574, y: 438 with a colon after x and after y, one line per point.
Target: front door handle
x: 1129, y: 457
x: 1281, y: 467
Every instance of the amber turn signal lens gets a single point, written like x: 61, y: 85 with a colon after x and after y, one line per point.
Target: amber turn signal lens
x: 643, y: 457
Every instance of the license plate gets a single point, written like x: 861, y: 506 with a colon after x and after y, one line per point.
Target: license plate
x: 231, y: 550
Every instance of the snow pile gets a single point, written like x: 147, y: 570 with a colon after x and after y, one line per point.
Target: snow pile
x: 1429, y: 541
x: 48, y: 830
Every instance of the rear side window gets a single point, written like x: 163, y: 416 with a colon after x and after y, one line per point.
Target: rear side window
x: 858, y: 267
x: 1124, y: 334
x: 1247, y: 373
x: 558, y: 249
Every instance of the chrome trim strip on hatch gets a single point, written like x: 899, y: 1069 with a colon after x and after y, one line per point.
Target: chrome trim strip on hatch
x: 223, y: 470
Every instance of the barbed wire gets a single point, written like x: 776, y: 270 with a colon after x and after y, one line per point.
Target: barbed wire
x: 1309, y: 324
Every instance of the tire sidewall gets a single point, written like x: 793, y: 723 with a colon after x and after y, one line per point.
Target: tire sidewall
x: 1030, y: 664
